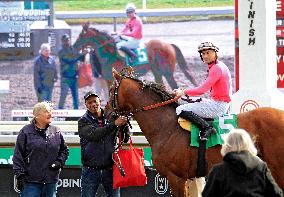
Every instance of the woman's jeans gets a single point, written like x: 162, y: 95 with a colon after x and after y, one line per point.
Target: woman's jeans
x: 39, y: 190
x: 92, y: 178
x: 66, y: 84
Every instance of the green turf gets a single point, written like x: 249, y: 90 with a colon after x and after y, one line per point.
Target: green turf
x: 60, y: 5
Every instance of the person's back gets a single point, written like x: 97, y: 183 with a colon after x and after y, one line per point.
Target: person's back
x: 241, y: 173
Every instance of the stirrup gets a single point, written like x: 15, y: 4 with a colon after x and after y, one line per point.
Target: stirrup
x: 203, y: 135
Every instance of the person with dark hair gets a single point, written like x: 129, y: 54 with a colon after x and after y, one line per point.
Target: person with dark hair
x: 40, y: 153
x: 45, y: 73
x: 98, y: 135
x: 218, y: 82
x: 241, y: 173
x: 69, y: 57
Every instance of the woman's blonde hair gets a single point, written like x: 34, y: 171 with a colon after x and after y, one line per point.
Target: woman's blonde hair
x: 39, y: 107
x: 238, y: 140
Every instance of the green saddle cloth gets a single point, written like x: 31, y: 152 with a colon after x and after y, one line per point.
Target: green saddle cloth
x: 222, y: 124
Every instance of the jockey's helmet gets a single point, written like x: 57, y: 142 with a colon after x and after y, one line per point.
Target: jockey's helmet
x: 130, y: 7
x: 207, y: 45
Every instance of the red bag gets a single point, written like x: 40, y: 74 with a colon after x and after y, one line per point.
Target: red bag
x: 85, y: 75
x: 131, y: 163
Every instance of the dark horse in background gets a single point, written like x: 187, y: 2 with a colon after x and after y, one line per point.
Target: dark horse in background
x: 172, y: 156
x: 162, y: 56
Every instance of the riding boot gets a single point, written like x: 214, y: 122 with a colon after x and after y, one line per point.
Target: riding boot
x: 205, y: 128
x: 130, y: 53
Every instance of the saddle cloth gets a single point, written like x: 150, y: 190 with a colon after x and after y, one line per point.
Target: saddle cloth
x: 222, y: 124
x: 141, y: 53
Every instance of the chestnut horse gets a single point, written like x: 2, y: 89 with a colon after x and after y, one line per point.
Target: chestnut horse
x: 172, y: 156
x: 162, y: 56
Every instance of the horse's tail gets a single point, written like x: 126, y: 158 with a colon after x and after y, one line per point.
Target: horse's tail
x: 183, y: 65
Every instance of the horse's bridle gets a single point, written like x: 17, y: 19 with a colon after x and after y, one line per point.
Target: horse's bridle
x: 115, y: 104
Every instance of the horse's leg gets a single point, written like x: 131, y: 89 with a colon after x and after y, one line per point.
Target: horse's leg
x: 177, y: 185
x: 157, y: 76
x: 171, y: 80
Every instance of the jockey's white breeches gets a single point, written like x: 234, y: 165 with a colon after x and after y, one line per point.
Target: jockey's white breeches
x: 207, y: 108
x: 128, y: 42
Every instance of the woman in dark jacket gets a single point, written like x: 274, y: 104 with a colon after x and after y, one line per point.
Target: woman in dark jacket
x: 39, y: 155
x: 241, y: 173
x: 45, y: 73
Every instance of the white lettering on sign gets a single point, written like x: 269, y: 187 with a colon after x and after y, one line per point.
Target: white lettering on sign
x: 280, y: 58
x: 278, y: 6
x: 69, y: 183
x: 251, y: 16
x: 6, y: 161
x: 280, y: 77
x: 161, y: 184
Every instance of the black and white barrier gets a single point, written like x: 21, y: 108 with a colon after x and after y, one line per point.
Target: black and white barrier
x: 69, y: 184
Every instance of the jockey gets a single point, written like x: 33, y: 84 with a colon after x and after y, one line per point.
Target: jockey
x: 131, y: 34
x: 220, y: 85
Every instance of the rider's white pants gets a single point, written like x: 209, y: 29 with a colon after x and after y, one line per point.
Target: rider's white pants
x: 128, y: 42
x: 207, y: 108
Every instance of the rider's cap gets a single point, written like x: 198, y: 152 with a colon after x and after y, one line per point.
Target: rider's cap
x: 65, y: 37
x: 207, y: 45
x: 130, y: 7
x: 89, y: 94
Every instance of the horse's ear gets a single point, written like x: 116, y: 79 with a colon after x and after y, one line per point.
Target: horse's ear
x: 115, y: 74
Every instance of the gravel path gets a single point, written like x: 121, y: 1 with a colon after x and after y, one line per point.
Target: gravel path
x: 186, y: 35
x: 22, y: 94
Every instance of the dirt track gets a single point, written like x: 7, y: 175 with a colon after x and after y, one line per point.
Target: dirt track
x: 22, y: 94
x: 186, y: 35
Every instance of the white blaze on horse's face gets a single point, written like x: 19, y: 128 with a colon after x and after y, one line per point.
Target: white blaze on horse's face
x: 208, y: 56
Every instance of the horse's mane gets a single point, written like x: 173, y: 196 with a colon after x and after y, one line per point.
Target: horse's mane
x: 102, y: 32
x: 158, y: 89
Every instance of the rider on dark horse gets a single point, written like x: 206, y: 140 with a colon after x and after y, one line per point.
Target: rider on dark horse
x: 220, y: 85
x: 131, y: 34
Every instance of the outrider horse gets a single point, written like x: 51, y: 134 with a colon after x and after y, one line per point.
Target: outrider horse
x: 162, y: 56
x: 172, y: 155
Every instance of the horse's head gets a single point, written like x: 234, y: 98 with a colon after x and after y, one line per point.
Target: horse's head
x: 104, y: 46
x: 95, y: 38
x: 130, y: 95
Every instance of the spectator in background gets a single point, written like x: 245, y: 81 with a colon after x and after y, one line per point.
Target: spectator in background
x: 100, y: 84
x: 39, y: 154
x: 45, y: 73
x: 97, y: 138
x: 242, y: 173
x: 69, y: 57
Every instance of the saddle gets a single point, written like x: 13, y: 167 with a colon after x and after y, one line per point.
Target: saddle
x: 140, y: 53
x: 187, y: 125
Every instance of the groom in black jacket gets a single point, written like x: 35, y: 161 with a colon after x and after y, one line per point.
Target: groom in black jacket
x: 97, y: 138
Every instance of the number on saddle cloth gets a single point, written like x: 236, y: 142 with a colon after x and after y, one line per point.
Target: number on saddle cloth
x: 222, y: 124
x: 142, y: 56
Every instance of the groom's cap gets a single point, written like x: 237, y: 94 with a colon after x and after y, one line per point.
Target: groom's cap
x: 89, y: 94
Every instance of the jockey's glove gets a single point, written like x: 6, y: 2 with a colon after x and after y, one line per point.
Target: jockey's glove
x: 179, y: 92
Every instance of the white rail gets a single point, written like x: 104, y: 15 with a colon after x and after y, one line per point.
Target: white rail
x: 147, y: 13
x: 9, y: 131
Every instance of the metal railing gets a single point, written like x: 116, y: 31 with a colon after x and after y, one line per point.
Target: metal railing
x: 229, y: 10
x: 146, y: 13
x: 10, y: 129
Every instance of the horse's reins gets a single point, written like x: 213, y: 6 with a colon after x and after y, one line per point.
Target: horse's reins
x: 144, y: 108
x: 104, y: 43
